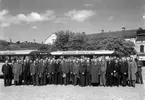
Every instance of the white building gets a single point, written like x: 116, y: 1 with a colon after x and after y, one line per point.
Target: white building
x: 50, y: 39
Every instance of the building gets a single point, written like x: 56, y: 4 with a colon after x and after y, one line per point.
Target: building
x: 50, y: 39
x: 137, y: 36
x: 140, y: 45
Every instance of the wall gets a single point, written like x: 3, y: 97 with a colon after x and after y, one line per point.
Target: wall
x: 138, y: 44
x: 50, y: 39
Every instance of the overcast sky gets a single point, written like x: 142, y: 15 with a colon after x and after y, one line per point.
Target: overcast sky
x: 26, y: 20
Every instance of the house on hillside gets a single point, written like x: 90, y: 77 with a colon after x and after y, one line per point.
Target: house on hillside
x: 50, y: 39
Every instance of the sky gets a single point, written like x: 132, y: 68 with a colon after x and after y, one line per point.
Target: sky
x: 26, y: 20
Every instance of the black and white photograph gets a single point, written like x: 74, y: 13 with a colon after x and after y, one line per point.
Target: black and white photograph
x: 72, y: 49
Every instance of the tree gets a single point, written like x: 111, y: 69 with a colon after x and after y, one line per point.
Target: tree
x: 3, y: 44
x: 76, y: 41
x: 18, y: 42
x: 62, y: 39
x: 14, y: 47
x: 140, y: 31
x: 123, y: 28
x: 91, y: 45
x: 102, y: 31
x: 53, y: 48
x: 118, y: 44
x: 44, y: 47
x: 67, y: 40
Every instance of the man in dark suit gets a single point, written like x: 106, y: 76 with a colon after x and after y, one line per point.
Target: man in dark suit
x: 40, y: 72
x: 108, y: 72
x: 139, y: 71
x: 82, y: 70
x: 116, y: 71
x: 33, y: 72
x: 53, y: 71
x: 7, y: 72
x: 37, y: 72
x: 56, y: 70
x: 49, y: 74
x: 71, y: 65
x: 124, y: 72
x: 61, y: 71
x: 88, y: 72
x: 26, y: 72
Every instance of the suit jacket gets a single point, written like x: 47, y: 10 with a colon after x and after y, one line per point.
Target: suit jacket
x: 71, y: 65
x: 37, y: 69
x: 26, y: 69
x: 139, y: 66
x: 46, y: 69
x: 116, y: 67
x: 88, y: 68
x: 41, y: 68
x: 82, y: 68
x: 53, y: 67
x: 108, y: 69
x: 124, y: 67
x: 6, y: 69
x: 56, y: 67
x: 76, y: 69
x: 33, y: 69
x: 66, y: 67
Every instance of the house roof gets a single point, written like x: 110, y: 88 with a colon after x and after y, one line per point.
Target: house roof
x: 49, y: 36
x: 140, y: 38
x: 125, y: 34
x: 141, y: 33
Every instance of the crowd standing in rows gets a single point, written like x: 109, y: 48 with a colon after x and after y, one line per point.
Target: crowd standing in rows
x: 98, y: 71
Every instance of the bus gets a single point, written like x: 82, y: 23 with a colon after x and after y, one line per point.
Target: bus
x: 32, y: 54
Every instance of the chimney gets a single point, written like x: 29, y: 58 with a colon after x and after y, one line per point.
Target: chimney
x: 123, y: 28
x: 102, y: 31
x: 83, y: 33
x: 10, y: 40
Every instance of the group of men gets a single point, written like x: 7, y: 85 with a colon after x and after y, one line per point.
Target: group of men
x: 98, y: 71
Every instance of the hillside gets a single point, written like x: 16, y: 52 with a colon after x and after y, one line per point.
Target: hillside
x: 4, y: 45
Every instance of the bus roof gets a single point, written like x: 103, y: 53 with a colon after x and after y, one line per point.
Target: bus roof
x: 16, y: 52
x: 95, y: 52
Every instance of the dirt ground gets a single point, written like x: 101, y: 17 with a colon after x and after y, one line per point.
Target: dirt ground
x: 52, y: 92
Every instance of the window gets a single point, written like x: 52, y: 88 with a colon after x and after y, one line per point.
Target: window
x: 142, y: 48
